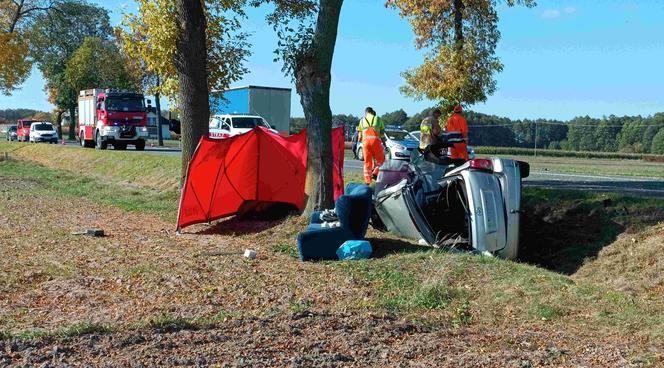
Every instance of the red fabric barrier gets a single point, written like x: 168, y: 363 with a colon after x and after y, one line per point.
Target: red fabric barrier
x: 259, y: 166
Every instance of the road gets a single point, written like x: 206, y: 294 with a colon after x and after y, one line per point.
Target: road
x: 636, y: 186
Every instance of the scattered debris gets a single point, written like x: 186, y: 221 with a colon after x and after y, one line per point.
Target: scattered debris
x: 250, y: 253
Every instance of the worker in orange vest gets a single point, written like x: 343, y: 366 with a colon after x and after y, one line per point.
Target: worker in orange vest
x: 370, y: 132
x: 457, y: 123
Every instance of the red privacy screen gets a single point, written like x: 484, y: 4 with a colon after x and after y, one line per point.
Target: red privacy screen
x: 258, y: 166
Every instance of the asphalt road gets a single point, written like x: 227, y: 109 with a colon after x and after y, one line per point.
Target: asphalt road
x: 635, y: 186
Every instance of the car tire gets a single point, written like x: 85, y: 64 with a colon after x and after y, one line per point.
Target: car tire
x: 100, y: 144
x: 119, y: 146
x: 81, y: 140
x: 140, y: 145
x: 360, y: 154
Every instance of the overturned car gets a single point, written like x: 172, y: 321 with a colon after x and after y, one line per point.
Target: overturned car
x: 447, y: 203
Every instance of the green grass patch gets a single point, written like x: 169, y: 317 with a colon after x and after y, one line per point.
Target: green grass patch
x: 488, y: 150
x: 162, y: 203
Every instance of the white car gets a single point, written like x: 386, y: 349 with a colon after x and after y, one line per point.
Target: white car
x: 224, y: 126
x: 43, y: 131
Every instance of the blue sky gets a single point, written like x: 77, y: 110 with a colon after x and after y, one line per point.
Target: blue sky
x: 561, y: 59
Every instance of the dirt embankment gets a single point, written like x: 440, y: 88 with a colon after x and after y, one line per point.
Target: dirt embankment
x: 307, y: 340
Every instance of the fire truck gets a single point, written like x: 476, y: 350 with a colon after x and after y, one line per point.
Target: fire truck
x: 23, y: 129
x: 112, y: 117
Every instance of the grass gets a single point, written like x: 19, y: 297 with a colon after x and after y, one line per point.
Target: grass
x: 519, y: 151
x: 434, y: 287
x: 138, y: 199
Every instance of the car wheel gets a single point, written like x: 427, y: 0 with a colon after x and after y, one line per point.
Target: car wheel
x: 81, y: 140
x: 360, y: 154
x: 140, y: 145
x: 119, y: 146
x: 99, y: 143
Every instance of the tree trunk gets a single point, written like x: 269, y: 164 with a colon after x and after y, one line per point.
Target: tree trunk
x: 72, y: 122
x: 58, y: 123
x: 458, y: 24
x: 190, y: 65
x: 313, y: 85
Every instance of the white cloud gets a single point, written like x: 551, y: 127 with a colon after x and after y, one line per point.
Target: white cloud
x: 569, y: 10
x: 551, y: 13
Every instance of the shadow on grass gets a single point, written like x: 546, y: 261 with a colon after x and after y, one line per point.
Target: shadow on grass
x: 253, y: 218
x: 383, y: 247
x: 560, y: 230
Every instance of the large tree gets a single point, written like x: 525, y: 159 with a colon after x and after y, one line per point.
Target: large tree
x: 55, y: 37
x: 17, y: 16
x: 159, y: 39
x: 460, y: 38
x: 308, y: 32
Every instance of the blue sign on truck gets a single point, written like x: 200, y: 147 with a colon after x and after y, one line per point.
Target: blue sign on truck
x: 273, y: 104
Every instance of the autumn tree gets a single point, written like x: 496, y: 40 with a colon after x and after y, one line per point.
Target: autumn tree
x: 158, y: 38
x: 55, y: 37
x: 307, y: 32
x: 98, y: 64
x: 16, y: 16
x: 460, y: 38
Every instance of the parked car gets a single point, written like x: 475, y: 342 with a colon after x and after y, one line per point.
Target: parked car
x: 398, y: 145
x: 451, y: 203
x: 224, y: 126
x: 11, y: 133
x: 418, y: 135
x: 43, y: 132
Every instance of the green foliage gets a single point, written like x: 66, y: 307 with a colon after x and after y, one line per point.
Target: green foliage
x: 398, y: 117
x: 57, y: 36
x: 11, y: 115
x: 149, y: 38
x: 98, y: 64
x: 658, y: 143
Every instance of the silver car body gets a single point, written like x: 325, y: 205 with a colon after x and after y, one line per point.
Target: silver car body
x: 465, y: 205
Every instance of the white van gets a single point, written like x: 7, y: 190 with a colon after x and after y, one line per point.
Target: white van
x: 224, y: 126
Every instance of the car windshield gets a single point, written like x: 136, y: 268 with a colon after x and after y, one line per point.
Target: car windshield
x: 125, y: 104
x: 12, y: 129
x: 248, y: 123
x: 43, y: 126
x: 397, y: 135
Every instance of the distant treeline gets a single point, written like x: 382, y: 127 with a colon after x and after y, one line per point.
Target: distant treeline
x: 9, y: 116
x: 628, y: 134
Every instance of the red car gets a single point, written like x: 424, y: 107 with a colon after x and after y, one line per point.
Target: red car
x: 23, y: 129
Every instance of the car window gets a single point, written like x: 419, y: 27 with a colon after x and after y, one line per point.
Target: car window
x: 43, y: 127
x: 124, y: 104
x: 12, y: 129
x: 225, y: 125
x: 248, y: 122
x: 397, y: 135
x: 214, y: 123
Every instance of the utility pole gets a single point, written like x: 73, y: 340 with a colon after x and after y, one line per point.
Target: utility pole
x: 536, y: 136
x: 160, y: 137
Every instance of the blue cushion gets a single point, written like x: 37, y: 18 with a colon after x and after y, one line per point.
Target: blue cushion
x: 353, y: 210
x: 321, y: 244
